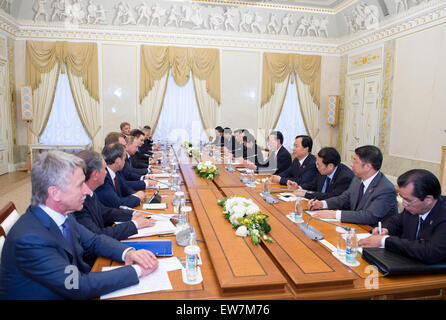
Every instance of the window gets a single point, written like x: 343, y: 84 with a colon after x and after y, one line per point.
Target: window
x: 64, y: 126
x: 290, y: 121
x: 180, y: 119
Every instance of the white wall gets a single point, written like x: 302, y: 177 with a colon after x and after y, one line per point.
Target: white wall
x: 240, y: 89
x: 120, y: 79
x: 418, y: 114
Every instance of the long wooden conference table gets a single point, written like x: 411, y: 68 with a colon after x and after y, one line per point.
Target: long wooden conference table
x: 292, y: 267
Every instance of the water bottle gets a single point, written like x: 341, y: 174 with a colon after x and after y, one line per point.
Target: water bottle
x: 266, y: 186
x: 176, y: 201
x: 351, y: 246
x: 192, y: 250
x: 184, y: 211
x: 298, y: 210
x: 175, y: 186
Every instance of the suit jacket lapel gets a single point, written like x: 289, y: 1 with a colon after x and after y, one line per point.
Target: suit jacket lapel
x: 369, y: 191
x: 52, y: 227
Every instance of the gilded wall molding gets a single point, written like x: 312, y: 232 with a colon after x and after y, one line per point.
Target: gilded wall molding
x: 389, y: 49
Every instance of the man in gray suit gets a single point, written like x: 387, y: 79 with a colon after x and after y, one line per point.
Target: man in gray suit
x: 370, y: 198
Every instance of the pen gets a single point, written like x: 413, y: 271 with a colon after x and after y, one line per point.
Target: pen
x: 166, y: 235
x: 379, y: 227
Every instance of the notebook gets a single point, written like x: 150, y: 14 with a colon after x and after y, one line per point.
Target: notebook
x: 160, y: 248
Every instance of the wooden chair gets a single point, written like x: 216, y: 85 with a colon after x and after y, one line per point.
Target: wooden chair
x: 8, y: 216
x: 2, y: 241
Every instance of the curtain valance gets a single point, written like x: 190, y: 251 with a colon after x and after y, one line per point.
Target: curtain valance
x: 81, y: 60
x: 278, y: 66
x: 157, y: 61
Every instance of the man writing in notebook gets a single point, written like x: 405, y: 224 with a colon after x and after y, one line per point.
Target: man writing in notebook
x: 419, y: 231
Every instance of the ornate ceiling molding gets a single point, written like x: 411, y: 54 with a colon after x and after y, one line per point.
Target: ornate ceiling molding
x: 403, y: 24
x: 279, y: 6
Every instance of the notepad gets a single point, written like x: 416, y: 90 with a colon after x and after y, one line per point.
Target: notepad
x: 160, y: 248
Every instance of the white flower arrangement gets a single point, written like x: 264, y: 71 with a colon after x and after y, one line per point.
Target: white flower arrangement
x: 246, y: 217
x: 186, y: 145
x: 206, y: 169
x: 193, y: 152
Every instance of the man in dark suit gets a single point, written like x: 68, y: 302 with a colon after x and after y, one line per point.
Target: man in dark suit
x: 370, y: 197
x: 148, y: 147
x: 219, y: 140
x: 279, y: 158
x: 252, y: 152
x: 42, y: 255
x: 125, y: 128
x: 98, y: 218
x: 238, y: 149
x: 139, y: 159
x: 230, y: 143
x: 333, y: 178
x: 115, y: 192
x: 137, y: 178
x: 419, y: 231
x: 303, y: 169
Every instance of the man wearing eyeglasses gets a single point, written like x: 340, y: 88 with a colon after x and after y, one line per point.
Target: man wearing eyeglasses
x: 419, y: 231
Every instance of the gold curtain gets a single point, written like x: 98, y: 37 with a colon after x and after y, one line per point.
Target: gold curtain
x: 81, y: 59
x: 157, y: 61
x: 43, y: 60
x: 277, y: 66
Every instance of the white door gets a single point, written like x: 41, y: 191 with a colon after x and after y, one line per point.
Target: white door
x: 4, y: 118
x: 362, y: 114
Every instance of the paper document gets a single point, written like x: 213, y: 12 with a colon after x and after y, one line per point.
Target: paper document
x: 158, y: 280
x: 170, y: 264
x: 287, y: 197
x: 162, y: 226
x: 327, y: 220
x: 154, y: 206
x: 160, y: 175
x: 163, y: 184
x: 361, y: 236
x: 328, y: 245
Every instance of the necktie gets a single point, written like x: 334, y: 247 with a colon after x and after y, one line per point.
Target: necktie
x: 116, y: 183
x: 420, y: 223
x: 361, y: 193
x: 326, y: 184
x: 66, y: 231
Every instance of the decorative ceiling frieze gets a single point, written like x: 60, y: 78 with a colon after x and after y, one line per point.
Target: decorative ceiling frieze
x: 180, y: 24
